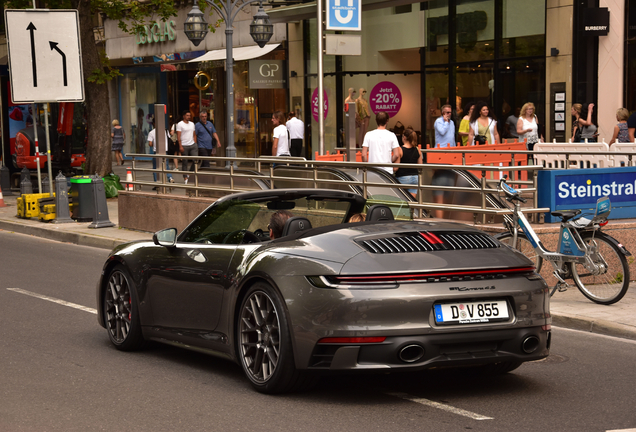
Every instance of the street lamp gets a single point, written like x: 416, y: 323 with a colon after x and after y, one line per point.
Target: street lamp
x: 261, y: 30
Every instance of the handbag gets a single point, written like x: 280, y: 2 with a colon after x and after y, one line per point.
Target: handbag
x: 481, y: 139
x: 577, y: 134
x: 172, y: 143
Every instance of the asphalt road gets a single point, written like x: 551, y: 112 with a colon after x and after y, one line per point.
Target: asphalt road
x: 58, y: 372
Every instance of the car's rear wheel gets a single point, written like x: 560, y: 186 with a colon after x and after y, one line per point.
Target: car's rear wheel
x: 264, y: 342
x: 121, y: 311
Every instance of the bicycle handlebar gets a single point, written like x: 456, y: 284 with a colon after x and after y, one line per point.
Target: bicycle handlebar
x: 511, y: 193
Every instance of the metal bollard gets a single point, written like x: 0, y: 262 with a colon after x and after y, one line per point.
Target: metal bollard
x: 62, y: 212
x: 26, y: 187
x: 5, y: 180
x: 101, y: 208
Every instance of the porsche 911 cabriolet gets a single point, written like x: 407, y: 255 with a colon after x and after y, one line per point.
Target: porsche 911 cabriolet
x: 326, y: 294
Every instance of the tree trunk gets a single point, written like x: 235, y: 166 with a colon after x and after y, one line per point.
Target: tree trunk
x: 98, y: 148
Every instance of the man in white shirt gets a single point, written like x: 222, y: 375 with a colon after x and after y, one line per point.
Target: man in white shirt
x: 380, y: 145
x: 297, y: 134
x: 152, y: 138
x: 187, y: 139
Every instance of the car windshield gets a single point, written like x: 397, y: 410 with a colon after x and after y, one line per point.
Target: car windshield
x: 220, y: 222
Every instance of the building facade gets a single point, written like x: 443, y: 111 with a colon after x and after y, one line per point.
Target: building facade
x: 163, y: 66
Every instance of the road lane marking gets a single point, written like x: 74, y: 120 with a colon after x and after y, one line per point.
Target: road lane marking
x: 442, y: 406
x: 54, y: 300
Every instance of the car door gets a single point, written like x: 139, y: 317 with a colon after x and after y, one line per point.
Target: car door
x: 187, y: 284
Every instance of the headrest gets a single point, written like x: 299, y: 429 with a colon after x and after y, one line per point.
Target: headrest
x: 296, y: 224
x: 379, y: 212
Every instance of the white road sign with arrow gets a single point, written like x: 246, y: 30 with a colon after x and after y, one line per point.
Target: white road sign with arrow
x: 45, y: 56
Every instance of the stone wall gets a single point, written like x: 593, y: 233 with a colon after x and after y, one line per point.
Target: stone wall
x: 153, y: 212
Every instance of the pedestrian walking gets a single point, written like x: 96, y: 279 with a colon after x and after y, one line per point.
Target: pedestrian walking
x: 119, y: 138
x: 483, y: 126
x: 281, y: 135
x: 445, y: 129
x: 296, y: 129
x: 464, y: 126
x: 408, y: 154
x: 187, y: 143
x: 528, y: 126
x: 583, y: 128
x: 621, y: 131
x: 207, y: 138
x: 380, y: 145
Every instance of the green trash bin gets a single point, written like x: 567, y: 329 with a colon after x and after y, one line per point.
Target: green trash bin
x: 81, y: 194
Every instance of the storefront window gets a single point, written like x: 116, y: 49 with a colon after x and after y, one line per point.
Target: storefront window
x: 139, y: 93
x: 522, y: 82
x: 436, y: 31
x: 475, y: 70
x: 245, y: 121
x: 523, y: 28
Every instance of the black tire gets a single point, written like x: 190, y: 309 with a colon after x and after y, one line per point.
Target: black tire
x: 612, y: 283
x: 121, y: 310
x: 524, y: 246
x: 263, y: 343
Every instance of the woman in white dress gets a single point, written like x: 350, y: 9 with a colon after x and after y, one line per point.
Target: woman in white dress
x: 483, y: 126
x: 528, y: 126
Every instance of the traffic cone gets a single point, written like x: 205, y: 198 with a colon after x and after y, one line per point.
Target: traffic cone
x: 2, y: 204
x: 129, y: 186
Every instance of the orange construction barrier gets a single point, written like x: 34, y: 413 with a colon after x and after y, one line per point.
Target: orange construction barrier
x: 491, y: 158
x: 2, y: 204
x: 334, y: 158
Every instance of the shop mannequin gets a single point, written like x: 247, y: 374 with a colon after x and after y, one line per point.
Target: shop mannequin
x: 362, y: 110
x: 349, y: 99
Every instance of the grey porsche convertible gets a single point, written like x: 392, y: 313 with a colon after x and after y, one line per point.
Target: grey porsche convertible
x: 325, y: 294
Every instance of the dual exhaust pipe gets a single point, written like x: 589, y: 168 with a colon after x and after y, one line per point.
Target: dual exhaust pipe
x: 414, y: 352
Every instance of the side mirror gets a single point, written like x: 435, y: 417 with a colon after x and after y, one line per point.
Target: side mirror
x: 166, y: 237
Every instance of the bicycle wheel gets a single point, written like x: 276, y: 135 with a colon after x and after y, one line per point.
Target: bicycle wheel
x: 611, y: 282
x: 524, y: 246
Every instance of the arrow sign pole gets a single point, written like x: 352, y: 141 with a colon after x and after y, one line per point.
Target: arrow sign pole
x: 54, y: 47
x: 31, y: 28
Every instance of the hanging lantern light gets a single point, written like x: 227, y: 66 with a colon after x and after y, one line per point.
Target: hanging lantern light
x: 195, y: 26
x: 261, y: 28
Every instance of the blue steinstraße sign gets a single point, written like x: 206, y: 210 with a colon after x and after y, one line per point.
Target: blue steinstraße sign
x: 344, y: 15
x: 581, y: 188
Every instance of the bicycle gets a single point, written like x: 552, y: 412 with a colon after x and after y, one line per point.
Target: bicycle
x: 594, y: 260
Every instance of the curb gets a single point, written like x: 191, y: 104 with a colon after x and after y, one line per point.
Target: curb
x: 80, y: 239
x: 598, y: 326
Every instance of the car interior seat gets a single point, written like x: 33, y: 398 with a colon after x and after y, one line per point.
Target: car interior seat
x: 296, y: 224
x: 379, y: 212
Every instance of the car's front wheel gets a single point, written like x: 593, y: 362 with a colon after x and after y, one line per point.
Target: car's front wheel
x: 121, y: 313
x: 264, y: 342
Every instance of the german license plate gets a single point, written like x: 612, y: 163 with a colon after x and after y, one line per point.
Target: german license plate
x: 471, y: 312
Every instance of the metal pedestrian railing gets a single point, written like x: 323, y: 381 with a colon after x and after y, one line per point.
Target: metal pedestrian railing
x: 232, y: 175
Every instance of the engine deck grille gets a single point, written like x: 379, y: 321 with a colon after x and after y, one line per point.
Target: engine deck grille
x: 429, y: 242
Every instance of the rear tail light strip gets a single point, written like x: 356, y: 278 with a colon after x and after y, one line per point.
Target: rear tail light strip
x: 393, y: 281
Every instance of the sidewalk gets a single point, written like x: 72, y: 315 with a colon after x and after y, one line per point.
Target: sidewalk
x: 569, y: 309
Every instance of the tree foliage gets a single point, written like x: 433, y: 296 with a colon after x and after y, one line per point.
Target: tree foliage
x: 132, y: 16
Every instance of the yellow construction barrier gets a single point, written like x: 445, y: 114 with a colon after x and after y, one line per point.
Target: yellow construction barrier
x: 28, y: 206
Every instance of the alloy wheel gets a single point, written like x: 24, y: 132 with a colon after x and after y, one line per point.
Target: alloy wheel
x: 259, y: 336
x: 118, y: 307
